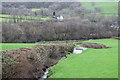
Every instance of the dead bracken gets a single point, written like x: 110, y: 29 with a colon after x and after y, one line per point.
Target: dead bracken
x: 32, y: 62
x: 94, y: 45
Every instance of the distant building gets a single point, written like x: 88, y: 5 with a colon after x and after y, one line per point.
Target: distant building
x: 57, y: 17
x: 114, y: 26
x: 60, y: 17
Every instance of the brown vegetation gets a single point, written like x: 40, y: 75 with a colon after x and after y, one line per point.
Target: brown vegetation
x: 31, y: 62
x: 78, y: 23
x: 71, y: 29
x: 93, y: 45
x: 117, y: 38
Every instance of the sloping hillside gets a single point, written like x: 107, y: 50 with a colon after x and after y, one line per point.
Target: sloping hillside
x: 107, y: 8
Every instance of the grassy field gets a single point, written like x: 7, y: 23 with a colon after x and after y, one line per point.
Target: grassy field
x: 24, y: 17
x: 109, y: 8
x: 92, y: 63
x: 9, y: 46
x: 35, y: 9
x: 9, y: 18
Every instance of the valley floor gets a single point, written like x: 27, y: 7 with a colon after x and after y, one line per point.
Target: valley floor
x: 92, y: 63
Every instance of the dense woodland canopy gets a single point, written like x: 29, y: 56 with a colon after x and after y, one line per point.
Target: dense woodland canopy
x: 79, y: 22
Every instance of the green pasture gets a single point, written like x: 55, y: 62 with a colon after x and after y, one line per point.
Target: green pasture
x: 92, y: 63
x: 9, y: 46
x: 23, y: 17
x: 35, y: 9
x: 9, y: 18
x: 108, y: 8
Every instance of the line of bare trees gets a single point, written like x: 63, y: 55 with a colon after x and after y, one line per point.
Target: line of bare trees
x: 71, y: 29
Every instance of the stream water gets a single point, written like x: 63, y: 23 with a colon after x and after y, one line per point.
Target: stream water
x: 45, y: 74
x: 47, y: 71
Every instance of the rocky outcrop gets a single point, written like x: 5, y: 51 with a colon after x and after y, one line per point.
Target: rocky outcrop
x: 32, y: 62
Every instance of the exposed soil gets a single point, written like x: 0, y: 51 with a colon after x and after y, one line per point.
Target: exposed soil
x: 32, y: 62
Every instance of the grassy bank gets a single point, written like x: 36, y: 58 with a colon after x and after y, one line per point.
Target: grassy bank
x: 9, y: 46
x: 92, y: 63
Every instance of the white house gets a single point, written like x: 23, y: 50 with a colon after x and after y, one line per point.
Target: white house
x: 60, y: 17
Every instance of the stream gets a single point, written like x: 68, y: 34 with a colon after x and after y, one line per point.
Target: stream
x: 45, y: 74
x: 47, y: 71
